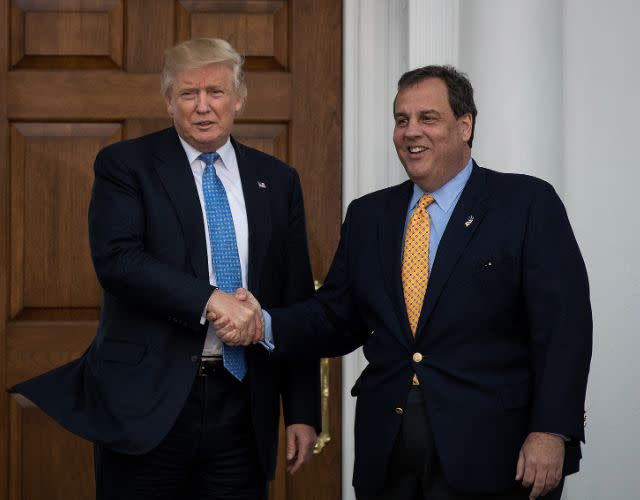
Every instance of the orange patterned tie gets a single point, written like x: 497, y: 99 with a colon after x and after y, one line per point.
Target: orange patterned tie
x: 415, y: 260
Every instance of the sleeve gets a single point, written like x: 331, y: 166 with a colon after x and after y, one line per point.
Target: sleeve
x: 326, y: 325
x: 558, y: 309
x: 125, y: 270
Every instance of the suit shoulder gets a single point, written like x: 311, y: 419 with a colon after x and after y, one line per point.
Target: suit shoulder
x: 516, y: 184
x: 380, y: 197
x: 137, y: 147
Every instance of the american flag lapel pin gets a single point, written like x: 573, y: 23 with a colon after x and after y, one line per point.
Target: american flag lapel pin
x: 469, y: 221
x: 262, y: 185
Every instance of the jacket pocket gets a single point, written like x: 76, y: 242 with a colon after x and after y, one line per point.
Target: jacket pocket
x: 121, y: 351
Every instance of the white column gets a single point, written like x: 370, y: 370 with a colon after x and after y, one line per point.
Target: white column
x: 433, y: 36
x: 512, y: 52
x: 374, y: 54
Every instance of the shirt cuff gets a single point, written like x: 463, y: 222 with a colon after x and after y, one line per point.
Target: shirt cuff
x: 203, y: 318
x: 267, y: 343
x: 565, y: 438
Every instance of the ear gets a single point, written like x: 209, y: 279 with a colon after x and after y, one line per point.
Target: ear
x: 239, y: 104
x: 169, y: 103
x: 465, y: 124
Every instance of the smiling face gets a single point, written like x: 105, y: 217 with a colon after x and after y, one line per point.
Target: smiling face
x: 430, y: 141
x: 203, y: 103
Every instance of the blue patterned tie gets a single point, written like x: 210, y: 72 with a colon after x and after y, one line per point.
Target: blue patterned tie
x: 224, y: 251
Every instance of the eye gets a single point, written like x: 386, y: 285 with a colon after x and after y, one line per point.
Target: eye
x: 187, y: 94
x: 401, y: 122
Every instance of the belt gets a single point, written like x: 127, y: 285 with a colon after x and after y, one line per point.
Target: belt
x: 209, y: 365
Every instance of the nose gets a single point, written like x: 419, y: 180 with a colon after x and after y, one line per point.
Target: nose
x: 412, y: 129
x: 202, y: 105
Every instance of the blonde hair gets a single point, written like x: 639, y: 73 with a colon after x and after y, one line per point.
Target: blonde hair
x: 198, y: 53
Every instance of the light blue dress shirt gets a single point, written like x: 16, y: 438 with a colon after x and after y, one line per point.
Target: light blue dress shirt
x: 445, y: 199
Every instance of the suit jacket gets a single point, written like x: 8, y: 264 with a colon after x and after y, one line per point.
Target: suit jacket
x: 504, y: 334
x: 149, y: 250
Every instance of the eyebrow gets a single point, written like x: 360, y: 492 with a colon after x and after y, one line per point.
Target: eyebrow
x: 430, y: 112
x: 421, y: 112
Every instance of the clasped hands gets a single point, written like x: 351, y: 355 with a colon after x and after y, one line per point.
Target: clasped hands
x: 237, y: 318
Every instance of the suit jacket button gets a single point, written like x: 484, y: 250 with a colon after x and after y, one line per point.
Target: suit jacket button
x: 417, y: 357
x: 399, y: 411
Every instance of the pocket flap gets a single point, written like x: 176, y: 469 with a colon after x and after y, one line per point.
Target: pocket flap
x: 122, y: 351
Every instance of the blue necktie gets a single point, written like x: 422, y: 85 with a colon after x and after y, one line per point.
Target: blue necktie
x: 224, y: 251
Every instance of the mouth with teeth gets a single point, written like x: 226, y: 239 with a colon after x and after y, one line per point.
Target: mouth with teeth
x: 417, y: 149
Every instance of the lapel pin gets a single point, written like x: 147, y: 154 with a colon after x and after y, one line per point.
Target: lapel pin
x: 469, y: 221
x: 262, y: 185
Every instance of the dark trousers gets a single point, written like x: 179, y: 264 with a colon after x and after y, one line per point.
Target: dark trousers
x: 208, y: 454
x: 414, y: 471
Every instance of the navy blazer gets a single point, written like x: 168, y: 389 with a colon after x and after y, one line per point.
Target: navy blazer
x: 505, y: 330
x: 149, y: 250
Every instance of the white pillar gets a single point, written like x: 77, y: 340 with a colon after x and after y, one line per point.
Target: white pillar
x: 512, y: 52
x: 433, y: 32
x: 374, y: 54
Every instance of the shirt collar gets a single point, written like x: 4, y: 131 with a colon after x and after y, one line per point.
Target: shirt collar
x: 446, y: 194
x: 225, y: 151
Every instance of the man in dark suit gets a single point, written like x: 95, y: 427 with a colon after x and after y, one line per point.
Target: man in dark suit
x: 174, y: 216
x: 468, y: 293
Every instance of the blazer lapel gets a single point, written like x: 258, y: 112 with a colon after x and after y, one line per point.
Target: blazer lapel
x: 391, y: 231
x: 175, y: 173
x: 256, y: 198
x: 464, y: 221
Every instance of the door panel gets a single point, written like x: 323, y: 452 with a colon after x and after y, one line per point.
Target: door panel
x: 80, y: 74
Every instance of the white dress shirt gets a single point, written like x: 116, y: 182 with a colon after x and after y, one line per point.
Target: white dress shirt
x: 227, y: 170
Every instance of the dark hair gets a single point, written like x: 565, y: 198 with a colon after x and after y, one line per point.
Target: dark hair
x: 458, y: 85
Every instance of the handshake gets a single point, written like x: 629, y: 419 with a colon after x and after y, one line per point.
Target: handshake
x: 237, y: 318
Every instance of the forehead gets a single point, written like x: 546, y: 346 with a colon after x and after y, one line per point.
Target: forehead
x: 213, y: 74
x: 431, y: 93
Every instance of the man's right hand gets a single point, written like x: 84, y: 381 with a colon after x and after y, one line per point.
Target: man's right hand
x: 236, y: 322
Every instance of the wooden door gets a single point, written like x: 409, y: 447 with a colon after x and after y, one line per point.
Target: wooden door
x: 79, y: 74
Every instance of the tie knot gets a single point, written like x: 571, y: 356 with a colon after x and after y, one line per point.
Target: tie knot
x: 424, y: 201
x: 209, y: 158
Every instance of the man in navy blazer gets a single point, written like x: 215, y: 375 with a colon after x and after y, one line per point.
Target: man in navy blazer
x: 152, y: 392
x: 489, y: 391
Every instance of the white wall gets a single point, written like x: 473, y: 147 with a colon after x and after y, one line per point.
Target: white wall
x: 557, y: 88
x: 601, y: 181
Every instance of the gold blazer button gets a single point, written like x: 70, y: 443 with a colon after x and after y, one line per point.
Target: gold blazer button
x: 417, y: 357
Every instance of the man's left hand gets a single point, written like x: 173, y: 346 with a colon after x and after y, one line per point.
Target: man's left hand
x: 540, y: 463
x: 300, y: 441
